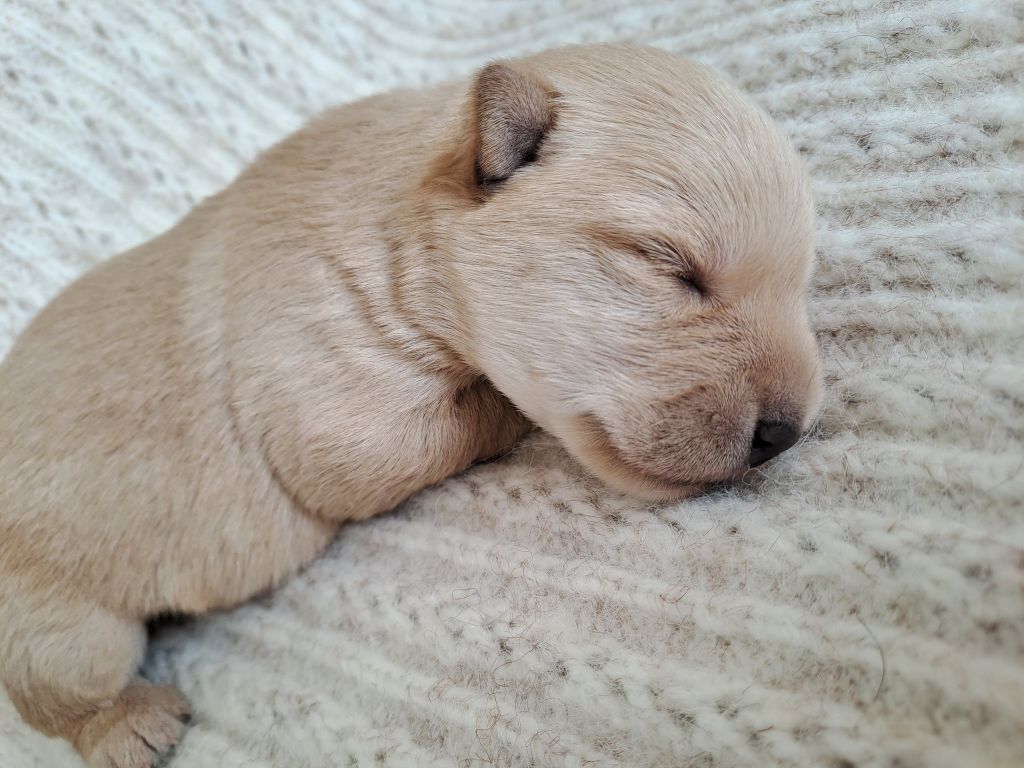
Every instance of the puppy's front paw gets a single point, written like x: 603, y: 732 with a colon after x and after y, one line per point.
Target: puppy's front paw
x: 138, y: 730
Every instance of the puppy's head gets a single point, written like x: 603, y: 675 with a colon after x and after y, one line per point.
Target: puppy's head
x: 628, y: 241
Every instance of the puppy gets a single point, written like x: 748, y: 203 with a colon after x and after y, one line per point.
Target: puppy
x: 607, y: 242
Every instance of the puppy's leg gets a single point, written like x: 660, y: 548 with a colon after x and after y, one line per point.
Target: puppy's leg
x: 496, y: 425
x: 144, y: 722
x: 71, y: 670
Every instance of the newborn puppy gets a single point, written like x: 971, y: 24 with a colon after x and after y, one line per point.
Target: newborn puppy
x: 607, y: 242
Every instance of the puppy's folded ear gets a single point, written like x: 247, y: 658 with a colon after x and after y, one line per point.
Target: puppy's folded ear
x: 513, y: 113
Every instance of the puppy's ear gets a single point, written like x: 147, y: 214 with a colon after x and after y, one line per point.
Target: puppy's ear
x: 514, y: 111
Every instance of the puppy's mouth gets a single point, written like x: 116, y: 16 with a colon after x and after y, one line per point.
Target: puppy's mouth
x: 594, y: 447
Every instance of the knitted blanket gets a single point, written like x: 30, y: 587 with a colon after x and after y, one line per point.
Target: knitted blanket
x: 858, y: 603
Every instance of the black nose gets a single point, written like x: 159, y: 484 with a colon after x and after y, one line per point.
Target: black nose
x: 770, y: 439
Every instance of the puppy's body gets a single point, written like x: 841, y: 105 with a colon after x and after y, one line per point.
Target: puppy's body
x: 190, y: 422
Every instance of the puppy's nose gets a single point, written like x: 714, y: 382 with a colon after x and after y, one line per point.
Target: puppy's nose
x: 770, y: 439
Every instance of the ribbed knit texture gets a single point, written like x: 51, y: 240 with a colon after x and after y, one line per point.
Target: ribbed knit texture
x: 860, y: 603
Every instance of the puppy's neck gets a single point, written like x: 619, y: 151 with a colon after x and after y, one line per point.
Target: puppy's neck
x: 424, y: 288
x: 423, y: 302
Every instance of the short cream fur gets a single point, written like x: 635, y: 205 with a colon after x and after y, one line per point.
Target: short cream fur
x: 609, y: 240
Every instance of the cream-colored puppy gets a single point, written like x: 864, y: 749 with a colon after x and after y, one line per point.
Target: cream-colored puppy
x: 604, y: 241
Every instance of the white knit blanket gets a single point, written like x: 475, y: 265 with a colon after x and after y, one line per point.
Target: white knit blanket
x: 861, y: 604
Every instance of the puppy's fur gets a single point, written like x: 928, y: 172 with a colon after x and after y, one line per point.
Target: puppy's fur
x: 607, y: 242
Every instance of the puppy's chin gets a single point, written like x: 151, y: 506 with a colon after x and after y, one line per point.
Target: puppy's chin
x: 588, y: 440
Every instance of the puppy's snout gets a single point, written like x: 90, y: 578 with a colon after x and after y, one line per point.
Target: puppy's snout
x: 770, y: 439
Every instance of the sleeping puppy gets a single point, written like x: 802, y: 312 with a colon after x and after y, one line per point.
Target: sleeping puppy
x: 607, y: 242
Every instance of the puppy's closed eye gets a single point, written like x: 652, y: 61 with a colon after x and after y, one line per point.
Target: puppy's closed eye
x: 672, y: 260
x: 691, y: 283
x: 677, y: 262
